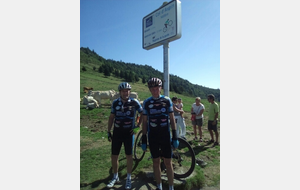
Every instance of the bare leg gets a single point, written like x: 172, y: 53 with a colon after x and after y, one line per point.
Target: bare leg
x: 170, y: 173
x: 211, y: 134
x: 195, y: 130
x: 156, y: 170
x: 200, y: 131
x: 115, y: 163
x: 129, y: 163
x: 217, y: 135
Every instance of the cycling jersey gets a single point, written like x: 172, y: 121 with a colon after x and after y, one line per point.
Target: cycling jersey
x: 158, y: 111
x: 125, y: 113
x: 158, y: 125
x: 123, y: 123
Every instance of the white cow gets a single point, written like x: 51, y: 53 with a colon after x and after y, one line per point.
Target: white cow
x: 99, y: 95
x: 134, y: 95
x: 90, y: 100
x: 117, y: 95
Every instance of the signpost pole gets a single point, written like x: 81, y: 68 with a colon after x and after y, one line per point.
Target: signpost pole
x: 166, y: 68
x: 161, y: 27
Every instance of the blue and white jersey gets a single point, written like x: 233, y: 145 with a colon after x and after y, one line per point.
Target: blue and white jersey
x: 125, y: 113
x: 157, y: 111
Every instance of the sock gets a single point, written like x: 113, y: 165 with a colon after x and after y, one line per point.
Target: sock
x: 116, y: 175
x: 128, y: 176
x: 159, y: 186
x: 171, y: 187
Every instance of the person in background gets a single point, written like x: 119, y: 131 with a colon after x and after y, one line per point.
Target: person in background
x: 122, y: 116
x: 198, y: 108
x: 180, y: 106
x: 157, y: 117
x: 180, y: 124
x: 213, y: 114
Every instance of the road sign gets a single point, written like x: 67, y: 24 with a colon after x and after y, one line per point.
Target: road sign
x: 162, y: 25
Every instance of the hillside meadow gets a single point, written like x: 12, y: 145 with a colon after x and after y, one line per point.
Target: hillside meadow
x: 95, y: 165
x: 132, y: 72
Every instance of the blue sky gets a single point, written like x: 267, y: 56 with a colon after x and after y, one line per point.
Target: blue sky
x: 113, y: 29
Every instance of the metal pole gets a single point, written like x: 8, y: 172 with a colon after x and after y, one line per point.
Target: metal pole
x: 166, y: 69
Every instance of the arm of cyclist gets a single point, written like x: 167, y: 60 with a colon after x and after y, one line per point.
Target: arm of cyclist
x: 175, y: 142
x: 144, y: 136
x: 110, y: 122
x: 141, y: 119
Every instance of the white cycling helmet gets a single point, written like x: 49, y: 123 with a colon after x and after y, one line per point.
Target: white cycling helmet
x: 124, y: 85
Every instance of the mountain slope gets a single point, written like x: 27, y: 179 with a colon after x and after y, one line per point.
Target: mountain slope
x: 131, y: 72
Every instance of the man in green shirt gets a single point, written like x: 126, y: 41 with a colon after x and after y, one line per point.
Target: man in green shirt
x: 213, y: 114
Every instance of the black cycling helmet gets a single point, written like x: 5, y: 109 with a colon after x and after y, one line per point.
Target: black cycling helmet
x: 154, y: 82
x: 124, y: 85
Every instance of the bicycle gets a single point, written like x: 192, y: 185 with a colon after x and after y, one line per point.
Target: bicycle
x: 183, y: 158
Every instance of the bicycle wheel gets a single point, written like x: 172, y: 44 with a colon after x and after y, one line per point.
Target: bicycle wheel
x: 138, y: 152
x: 183, y: 159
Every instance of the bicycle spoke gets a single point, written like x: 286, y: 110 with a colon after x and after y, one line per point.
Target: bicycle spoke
x: 183, y: 160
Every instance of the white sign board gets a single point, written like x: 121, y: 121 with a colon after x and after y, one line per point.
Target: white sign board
x: 163, y: 24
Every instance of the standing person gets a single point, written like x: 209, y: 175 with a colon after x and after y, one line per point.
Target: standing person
x: 122, y: 116
x: 179, y: 120
x: 213, y: 114
x: 180, y: 106
x: 198, y: 108
x: 157, y: 112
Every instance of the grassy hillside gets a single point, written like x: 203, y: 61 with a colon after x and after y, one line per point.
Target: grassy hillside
x: 91, y: 62
x: 95, y: 165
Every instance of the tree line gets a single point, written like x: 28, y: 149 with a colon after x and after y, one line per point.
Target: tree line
x: 132, y: 72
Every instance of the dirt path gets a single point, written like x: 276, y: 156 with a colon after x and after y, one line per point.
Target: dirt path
x: 147, y: 183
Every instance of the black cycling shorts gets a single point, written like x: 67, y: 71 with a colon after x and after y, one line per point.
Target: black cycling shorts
x: 160, y: 147
x: 118, y: 139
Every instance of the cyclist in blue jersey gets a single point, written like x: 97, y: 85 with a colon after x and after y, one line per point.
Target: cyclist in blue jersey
x: 157, y: 117
x: 122, y: 116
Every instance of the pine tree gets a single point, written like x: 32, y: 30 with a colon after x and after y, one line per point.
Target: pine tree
x: 106, y: 72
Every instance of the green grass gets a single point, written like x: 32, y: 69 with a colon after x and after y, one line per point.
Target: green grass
x: 95, y: 150
x: 197, y: 181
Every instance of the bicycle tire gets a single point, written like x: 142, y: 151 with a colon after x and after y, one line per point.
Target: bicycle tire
x: 137, y: 150
x: 183, y: 159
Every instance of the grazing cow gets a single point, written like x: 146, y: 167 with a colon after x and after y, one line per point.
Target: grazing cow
x: 99, y: 95
x: 115, y: 96
x: 132, y: 95
x: 86, y: 89
x: 91, y: 106
x: 89, y: 100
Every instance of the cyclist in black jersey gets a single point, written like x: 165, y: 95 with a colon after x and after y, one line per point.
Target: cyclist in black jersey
x: 157, y: 116
x: 122, y: 116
